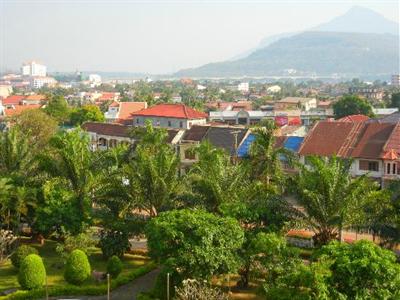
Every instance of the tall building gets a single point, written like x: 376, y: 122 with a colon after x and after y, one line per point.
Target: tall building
x: 33, y: 68
x: 396, y: 80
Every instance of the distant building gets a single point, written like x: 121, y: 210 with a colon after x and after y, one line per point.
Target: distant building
x: 274, y: 89
x: 243, y: 87
x: 39, y: 81
x: 170, y: 116
x: 121, y: 112
x: 5, y: 90
x: 33, y: 68
x: 94, y: 80
x: 368, y: 92
x: 304, y: 104
x: 396, y: 80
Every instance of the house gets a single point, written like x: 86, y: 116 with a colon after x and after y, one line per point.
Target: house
x: 368, y: 92
x: 274, y: 89
x: 12, y: 100
x: 121, y: 112
x: 305, y: 104
x: 177, y: 116
x: 33, y: 99
x: 353, y: 118
x: 106, y: 135
x: 228, y: 138
x: 373, y: 147
x: 235, y: 106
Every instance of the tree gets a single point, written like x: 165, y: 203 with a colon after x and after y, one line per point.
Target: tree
x: 330, y: 198
x: 194, y: 243
x: 57, y: 107
x: 395, y: 100
x: 37, y: 126
x: 265, y: 158
x: 70, y: 159
x: 362, y: 270
x: 214, y: 179
x: 351, y: 105
x: 150, y: 180
x: 86, y: 113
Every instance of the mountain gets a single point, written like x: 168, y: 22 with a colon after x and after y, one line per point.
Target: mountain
x: 360, y: 19
x: 357, y: 20
x: 313, y: 53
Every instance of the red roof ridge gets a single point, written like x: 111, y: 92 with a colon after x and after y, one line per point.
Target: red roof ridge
x: 390, y: 155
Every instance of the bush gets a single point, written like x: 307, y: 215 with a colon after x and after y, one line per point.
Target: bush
x: 114, y: 243
x: 114, y: 266
x: 82, y: 241
x: 32, y: 274
x: 77, y: 269
x: 22, y: 252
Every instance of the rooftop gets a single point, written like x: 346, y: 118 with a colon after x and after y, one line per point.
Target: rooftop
x: 179, y: 111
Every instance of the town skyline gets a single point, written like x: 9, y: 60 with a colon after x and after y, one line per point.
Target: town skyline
x: 152, y: 37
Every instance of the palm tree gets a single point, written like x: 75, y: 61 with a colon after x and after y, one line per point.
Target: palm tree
x: 214, y: 179
x: 265, y: 157
x: 330, y: 199
x: 69, y: 158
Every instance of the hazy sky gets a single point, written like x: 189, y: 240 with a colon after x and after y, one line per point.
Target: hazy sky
x: 153, y: 36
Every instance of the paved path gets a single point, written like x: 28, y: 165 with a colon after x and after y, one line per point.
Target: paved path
x: 125, y: 292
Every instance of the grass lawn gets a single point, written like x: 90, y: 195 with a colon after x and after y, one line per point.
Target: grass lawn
x: 55, y: 268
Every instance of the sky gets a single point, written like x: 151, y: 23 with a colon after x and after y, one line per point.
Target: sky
x: 155, y: 37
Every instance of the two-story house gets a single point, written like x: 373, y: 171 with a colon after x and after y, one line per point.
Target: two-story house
x: 177, y: 116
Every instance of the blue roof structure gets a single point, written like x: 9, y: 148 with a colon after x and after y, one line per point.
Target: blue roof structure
x: 292, y: 143
x: 243, y: 150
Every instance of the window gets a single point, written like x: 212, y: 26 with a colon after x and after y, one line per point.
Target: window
x: 367, y: 165
x: 137, y: 121
x: 169, y: 123
x: 180, y: 124
x: 190, y: 154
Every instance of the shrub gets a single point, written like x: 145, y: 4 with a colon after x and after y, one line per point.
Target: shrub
x: 192, y: 289
x: 114, y: 243
x: 82, y: 241
x: 114, y: 266
x: 77, y: 269
x: 32, y: 274
x: 22, y: 252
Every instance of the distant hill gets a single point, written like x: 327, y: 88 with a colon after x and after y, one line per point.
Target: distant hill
x: 313, y: 53
x: 356, y: 20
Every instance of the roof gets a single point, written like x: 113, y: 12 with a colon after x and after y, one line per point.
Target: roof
x: 13, y: 100
x: 295, y: 100
x: 353, y: 118
x: 372, y: 141
x: 118, y: 130
x: 17, y: 109
x: 218, y: 136
x: 110, y: 129
x: 392, y: 118
x: 35, y: 98
x: 293, y: 143
x: 126, y: 109
x: 352, y: 139
x: 327, y: 139
x: 244, y: 148
x: 179, y: 111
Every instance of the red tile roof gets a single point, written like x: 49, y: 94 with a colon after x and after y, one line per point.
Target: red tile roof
x: 391, y: 155
x: 107, y: 129
x: 353, y: 118
x: 17, y: 109
x: 35, y: 98
x: 13, y: 100
x: 127, y: 109
x: 352, y: 139
x: 179, y: 111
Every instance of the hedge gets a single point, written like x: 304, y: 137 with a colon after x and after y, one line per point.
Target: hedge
x: 77, y: 269
x: 86, y: 290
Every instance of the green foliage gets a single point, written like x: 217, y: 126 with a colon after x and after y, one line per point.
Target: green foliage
x: 59, y: 210
x: 86, y: 113
x: 330, y: 198
x: 82, y: 241
x: 92, y: 289
x: 22, y: 251
x: 32, y: 274
x: 195, y: 243
x: 114, y: 266
x: 114, y: 242
x: 351, y: 105
x: 37, y: 126
x: 57, y: 107
x: 362, y: 270
x: 395, y: 100
x: 77, y: 269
